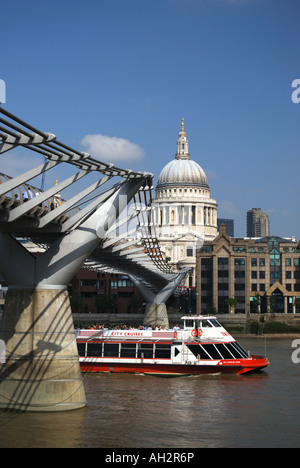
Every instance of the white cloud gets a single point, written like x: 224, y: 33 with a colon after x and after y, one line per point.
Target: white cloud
x: 112, y: 149
x: 211, y: 174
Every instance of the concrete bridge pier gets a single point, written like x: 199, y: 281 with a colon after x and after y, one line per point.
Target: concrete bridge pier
x: 42, y: 372
x: 156, y: 315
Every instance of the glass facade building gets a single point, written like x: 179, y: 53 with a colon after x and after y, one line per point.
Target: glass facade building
x: 261, y: 275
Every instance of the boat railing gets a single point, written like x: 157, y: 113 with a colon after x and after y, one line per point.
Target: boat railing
x: 125, y: 335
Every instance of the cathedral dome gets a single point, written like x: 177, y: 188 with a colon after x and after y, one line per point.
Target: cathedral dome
x: 182, y: 171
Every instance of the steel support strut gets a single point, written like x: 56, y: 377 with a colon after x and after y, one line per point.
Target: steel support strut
x: 156, y: 310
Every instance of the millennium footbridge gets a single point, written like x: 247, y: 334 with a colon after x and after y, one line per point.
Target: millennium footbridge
x: 104, y: 223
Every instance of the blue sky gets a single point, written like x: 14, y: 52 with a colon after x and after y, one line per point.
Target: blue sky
x: 122, y: 73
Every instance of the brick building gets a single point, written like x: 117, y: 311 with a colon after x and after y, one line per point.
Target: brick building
x: 94, y: 292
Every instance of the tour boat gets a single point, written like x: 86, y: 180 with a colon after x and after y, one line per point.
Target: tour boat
x: 203, y: 346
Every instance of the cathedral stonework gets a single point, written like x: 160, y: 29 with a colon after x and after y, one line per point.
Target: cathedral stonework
x: 184, y: 214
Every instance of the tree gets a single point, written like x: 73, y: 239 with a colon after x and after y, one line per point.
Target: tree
x: 296, y: 303
x: 257, y: 302
x: 134, y: 303
x: 271, y: 300
x: 77, y: 301
x: 232, y: 303
x: 104, y: 302
x: 211, y: 311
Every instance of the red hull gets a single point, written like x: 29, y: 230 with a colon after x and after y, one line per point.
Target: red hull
x: 242, y: 366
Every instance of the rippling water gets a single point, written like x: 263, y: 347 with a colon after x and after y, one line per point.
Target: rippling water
x: 125, y: 411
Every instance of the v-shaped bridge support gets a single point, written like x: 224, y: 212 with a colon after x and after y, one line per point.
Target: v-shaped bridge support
x: 156, y: 310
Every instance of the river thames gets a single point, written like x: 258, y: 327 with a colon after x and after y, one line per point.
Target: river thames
x: 135, y: 411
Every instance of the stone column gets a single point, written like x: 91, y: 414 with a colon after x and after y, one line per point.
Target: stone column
x: 156, y: 315
x: 42, y: 371
x: 285, y: 298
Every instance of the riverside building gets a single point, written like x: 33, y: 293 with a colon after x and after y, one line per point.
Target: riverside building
x: 263, y: 275
x: 184, y: 213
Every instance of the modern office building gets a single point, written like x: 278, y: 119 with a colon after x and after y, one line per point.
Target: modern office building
x: 262, y: 275
x: 229, y: 224
x: 258, y: 224
x: 184, y: 213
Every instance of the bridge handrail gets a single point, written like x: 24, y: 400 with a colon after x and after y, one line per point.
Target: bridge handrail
x: 22, y: 193
x: 12, y: 134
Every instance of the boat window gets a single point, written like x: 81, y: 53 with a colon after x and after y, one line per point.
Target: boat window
x: 241, y: 349
x: 146, y: 350
x: 235, y: 351
x: 81, y: 349
x: 94, y: 349
x: 224, y: 351
x: 215, y: 323
x: 189, y: 324
x: 128, y: 350
x: 163, y: 351
x: 198, y: 350
x: 111, y: 350
x: 207, y: 324
x: 212, y: 351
